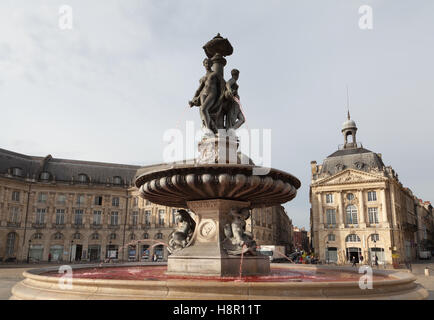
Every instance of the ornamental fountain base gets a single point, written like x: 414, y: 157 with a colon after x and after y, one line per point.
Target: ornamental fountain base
x: 286, y: 282
x: 207, y: 254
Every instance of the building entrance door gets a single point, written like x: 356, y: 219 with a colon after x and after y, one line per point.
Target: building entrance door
x: 94, y: 252
x: 78, y: 252
x: 354, y: 252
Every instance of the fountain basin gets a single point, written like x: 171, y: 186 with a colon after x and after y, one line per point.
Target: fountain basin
x: 177, y: 184
x: 286, y: 281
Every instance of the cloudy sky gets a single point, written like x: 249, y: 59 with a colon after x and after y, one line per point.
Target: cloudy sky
x: 107, y: 89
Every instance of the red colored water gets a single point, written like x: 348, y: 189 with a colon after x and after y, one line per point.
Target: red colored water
x: 159, y: 273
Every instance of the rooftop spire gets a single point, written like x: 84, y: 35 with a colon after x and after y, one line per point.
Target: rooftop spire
x: 348, y: 103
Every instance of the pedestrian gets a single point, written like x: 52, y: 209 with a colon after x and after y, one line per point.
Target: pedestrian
x: 361, y: 259
x: 376, y: 260
x: 354, y: 261
x: 49, y: 257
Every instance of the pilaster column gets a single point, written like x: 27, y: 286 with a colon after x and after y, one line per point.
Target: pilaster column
x: 341, y: 210
x: 320, y: 209
x: 362, y: 208
x: 383, y: 218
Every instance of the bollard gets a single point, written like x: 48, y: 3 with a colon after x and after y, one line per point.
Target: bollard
x: 427, y: 272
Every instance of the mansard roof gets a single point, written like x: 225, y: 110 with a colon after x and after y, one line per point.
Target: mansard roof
x: 354, y: 158
x: 65, y: 169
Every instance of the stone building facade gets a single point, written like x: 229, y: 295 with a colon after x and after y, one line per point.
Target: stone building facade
x: 271, y: 226
x: 68, y: 210
x: 300, y: 239
x: 359, y: 207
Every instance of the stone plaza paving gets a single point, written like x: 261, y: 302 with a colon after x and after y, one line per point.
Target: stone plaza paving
x: 12, y: 273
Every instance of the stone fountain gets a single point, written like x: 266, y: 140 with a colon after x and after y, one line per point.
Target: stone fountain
x: 213, y: 256
x: 217, y: 187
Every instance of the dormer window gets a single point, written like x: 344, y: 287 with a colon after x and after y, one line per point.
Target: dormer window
x: 117, y: 180
x: 44, y: 176
x: 17, y: 172
x: 82, y: 178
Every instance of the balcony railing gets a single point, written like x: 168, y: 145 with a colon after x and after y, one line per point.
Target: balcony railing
x: 113, y: 226
x: 330, y: 225
x: 13, y: 224
x: 59, y: 226
x: 78, y: 225
x: 96, y: 225
x: 39, y: 225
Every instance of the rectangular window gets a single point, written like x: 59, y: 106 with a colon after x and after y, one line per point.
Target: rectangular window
x: 161, y: 214
x: 114, y: 218
x: 373, y: 215
x: 372, y: 196
x: 331, y: 237
x: 60, y: 216
x: 80, y: 199
x: 61, y: 199
x: 15, y: 213
x: 42, y: 197
x: 173, y: 216
x: 375, y: 237
x: 97, y: 218
x: 329, y: 198
x: 331, y: 216
x: 115, y: 201
x: 15, y: 196
x: 98, y: 201
x: 148, y: 202
x: 134, y: 218
x: 78, y: 217
x: 135, y: 201
x: 147, y: 217
x: 40, y: 216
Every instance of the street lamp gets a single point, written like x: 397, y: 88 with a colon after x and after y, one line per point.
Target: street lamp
x: 28, y: 252
x: 327, y: 252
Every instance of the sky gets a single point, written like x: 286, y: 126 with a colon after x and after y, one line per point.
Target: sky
x: 107, y: 89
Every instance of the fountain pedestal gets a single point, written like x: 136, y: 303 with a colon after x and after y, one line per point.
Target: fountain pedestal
x: 205, y: 254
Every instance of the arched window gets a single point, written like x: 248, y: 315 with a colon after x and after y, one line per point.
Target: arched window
x: 10, y: 243
x: 146, y: 236
x: 95, y: 236
x: 351, y: 214
x: 352, y: 238
x: 37, y: 236
x: 58, y: 236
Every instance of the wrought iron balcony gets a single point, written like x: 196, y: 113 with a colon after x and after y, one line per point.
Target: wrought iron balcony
x: 39, y: 225
x: 96, y: 225
x: 14, y: 224
x: 59, y: 225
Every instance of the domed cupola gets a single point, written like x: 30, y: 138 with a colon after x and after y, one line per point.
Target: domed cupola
x: 349, y: 128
